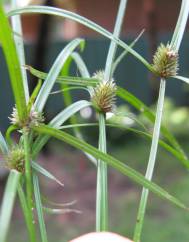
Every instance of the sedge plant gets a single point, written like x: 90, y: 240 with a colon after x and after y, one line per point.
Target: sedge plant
x: 28, y: 119
x: 165, y: 64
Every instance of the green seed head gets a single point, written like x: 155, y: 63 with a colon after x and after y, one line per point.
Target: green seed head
x: 15, y: 159
x: 165, y: 61
x: 104, y: 94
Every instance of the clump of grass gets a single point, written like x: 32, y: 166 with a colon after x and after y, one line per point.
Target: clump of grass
x: 28, y: 120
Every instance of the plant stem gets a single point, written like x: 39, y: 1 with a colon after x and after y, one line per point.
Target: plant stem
x: 151, y: 162
x: 27, y: 214
x: 101, y: 190
x: 102, y: 187
x: 28, y: 178
x: 175, y: 43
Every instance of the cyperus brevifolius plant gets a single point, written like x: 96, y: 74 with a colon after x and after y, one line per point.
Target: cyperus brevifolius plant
x: 20, y: 156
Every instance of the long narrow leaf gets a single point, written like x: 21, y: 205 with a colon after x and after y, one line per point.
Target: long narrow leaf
x: 3, y: 145
x: 61, y: 211
x: 181, y: 24
x: 182, y: 78
x: 39, y: 209
x: 115, y: 163
x: 58, y: 121
x: 88, y: 23
x: 8, y: 203
x: 139, y: 105
x: 54, y: 72
x: 124, y: 53
x: 163, y: 144
x: 13, y: 64
x: 45, y: 173
x: 85, y: 80
x: 17, y: 28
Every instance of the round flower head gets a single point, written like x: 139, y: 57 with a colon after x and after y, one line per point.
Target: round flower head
x: 104, y: 94
x: 15, y: 158
x: 165, y: 61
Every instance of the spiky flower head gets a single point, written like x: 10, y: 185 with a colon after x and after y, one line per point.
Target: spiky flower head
x: 34, y: 118
x: 165, y: 61
x: 15, y: 158
x: 104, y: 94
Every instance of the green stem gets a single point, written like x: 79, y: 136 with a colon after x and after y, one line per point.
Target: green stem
x: 151, y: 162
x: 27, y: 214
x: 101, y: 190
x: 28, y: 177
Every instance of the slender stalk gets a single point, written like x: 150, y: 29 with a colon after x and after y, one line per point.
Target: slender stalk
x: 175, y: 43
x: 8, y: 203
x: 27, y: 214
x: 101, y: 190
x: 28, y: 178
x: 39, y: 208
x: 102, y: 187
x: 151, y: 162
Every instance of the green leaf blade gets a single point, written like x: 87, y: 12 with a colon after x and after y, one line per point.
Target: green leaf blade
x: 10, y: 53
x: 116, y: 164
x: 82, y: 20
x: 54, y: 72
x: 8, y: 203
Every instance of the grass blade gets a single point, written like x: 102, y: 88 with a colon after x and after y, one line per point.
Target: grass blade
x: 180, y: 26
x: 58, y: 121
x: 88, y: 23
x: 39, y: 209
x: 17, y: 28
x: 85, y: 75
x: 10, y: 52
x: 61, y: 211
x: 80, y: 65
x: 85, y: 80
x: 124, y: 53
x: 164, y: 145
x: 113, y: 45
x: 182, y: 78
x: 3, y: 145
x: 8, y: 203
x: 115, y: 163
x: 45, y: 173
x: 54, y: 72
x: 139, y: 105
